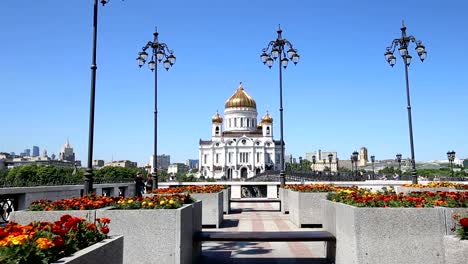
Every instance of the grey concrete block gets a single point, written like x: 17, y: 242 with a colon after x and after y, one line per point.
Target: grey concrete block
x: 329, y: 216
x: 389, y: 235
x: 26, y: 217
x: 283, y: 196
x: 158, y: 235
x: 305, y: 208
x: 212, y: 208
x: 449, y: 221
x: 197, y: 227
x: 456, y: 250
x: 401, y: 189
x: 108, y: 251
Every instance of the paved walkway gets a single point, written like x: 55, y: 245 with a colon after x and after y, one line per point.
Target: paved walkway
x: 261, y: 217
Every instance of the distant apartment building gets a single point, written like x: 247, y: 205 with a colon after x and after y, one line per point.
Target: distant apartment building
x: 163, y: 161
x: 192, y: 163
x: 176, y: 168
x: 35, y: 151
x: 98, y: 163
x: 26, y: 152
x: 121, y: 163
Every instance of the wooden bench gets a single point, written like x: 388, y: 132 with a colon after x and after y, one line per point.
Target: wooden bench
x: 257, y: 200
x: 273, y: 236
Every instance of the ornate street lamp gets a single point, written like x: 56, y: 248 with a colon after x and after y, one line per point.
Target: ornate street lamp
x: 373, y: 170
x: 451, y: 158
x: 282, y: 50
x: 355, y: 159
x: 398, y: 159
x: 88, y: 180
x: 160, y: 53
x: 402, y: 45
x: 352, y: 164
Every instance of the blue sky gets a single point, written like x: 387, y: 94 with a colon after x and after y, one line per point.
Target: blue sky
x: 341, y: 96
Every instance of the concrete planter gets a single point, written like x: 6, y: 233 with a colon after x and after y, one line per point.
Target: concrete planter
x: 449, y: 221
x: 283, y: 196
x: 386, y: 235
x: 226, y: 197
x: 157, y: 236
x: 212, y: 208
x: 26, y: 217
x: 456, y: 250
x: 108, y: 251
x: 305, y: 207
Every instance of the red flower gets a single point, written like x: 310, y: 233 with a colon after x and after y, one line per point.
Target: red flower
x: 91, y: 226
x: 104, y: 229
x: 464, y: 222
x: 59, y: 242
x: 65, y: 217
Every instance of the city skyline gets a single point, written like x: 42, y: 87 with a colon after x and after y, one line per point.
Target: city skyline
x: 341, y: 96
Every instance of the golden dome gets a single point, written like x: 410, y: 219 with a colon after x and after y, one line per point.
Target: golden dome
x: 267, y: 118
x: 217, y: 118
x: 240, y: 99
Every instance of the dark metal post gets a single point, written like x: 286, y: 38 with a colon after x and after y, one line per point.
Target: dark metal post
x: 414, y: 176
x: 88, y: 181
x: 155, y: 150
x: 282, y: 174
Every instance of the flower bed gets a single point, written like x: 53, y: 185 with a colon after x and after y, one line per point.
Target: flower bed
x: 44, y: 242
x: 161, y: 223
x: 88, y: 202
x: 211, y: 197
x: 432, y: 187
x: 367, y: 225
x: 156, y: 235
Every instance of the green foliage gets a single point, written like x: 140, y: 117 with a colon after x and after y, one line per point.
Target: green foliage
x: 304, y: 166
x: 22, y: 175
x: 119, y: 173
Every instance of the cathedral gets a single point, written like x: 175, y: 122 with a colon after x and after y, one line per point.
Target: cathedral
x: 240, y: 146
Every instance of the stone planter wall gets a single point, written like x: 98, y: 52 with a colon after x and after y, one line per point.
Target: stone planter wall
x: 449, y: 221
x: 456, y: 250
x: 26, y: 217
x: 283, y: 195
x: 226, y: 198
x: 108, y: 251
x: 212, y: 208
x: 305, y: 208
x: 386, y: 235
x: 156, y: 236
x: 401, y: 189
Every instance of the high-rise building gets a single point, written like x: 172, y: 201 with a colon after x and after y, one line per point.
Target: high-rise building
x: 98, y: 163
x: 27, y: 152
x: 163, y: 161
x: 67, y: 152
x: 192, y: 163
x: 35, y: 151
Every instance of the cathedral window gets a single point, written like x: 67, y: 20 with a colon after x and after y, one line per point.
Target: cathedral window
x: 204, y: 158
x: 235, y: 122
x: 268, y: 130
x: 242, y: 122
x: 248, y: 122
x: 217, y: 130
x: 258, y: 156
x: 217, y: 158
x: 229, y: 122
x: 230, y: 157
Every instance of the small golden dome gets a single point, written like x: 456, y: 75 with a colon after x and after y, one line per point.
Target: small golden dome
x: 267, y: 118
x: 217, y: 118
x: 240, y: 99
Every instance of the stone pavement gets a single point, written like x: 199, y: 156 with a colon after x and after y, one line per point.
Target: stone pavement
x: 260, y: 217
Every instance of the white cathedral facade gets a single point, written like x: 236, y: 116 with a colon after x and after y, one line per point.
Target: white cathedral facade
x: 240, y: 146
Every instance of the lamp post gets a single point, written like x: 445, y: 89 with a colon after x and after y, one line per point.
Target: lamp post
x: 314, y: 160
x: 161, y: 53
x: 402, y: 45
x: 276, y: 50
x: 355, y: 159
x: 352, y: 164
x: 330, y: 158
x: 451, y: 158
x: 398, y: 159
x: 88, y: 180
x: 373, y: 170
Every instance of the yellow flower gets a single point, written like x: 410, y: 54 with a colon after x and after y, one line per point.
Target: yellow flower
x: 151, y: 204
x: 143, y: 203
x: 171, y: 201
x: 44, y: 243
x: 130, y: 201
x: 162, y: 202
